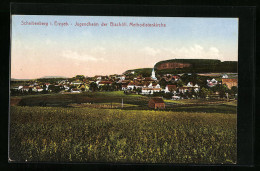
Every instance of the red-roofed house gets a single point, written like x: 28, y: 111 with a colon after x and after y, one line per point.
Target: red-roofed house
x: 156, y: 103
x: 131, y: 86
x: 102, y: 83
x: 170, y: 88
x: 230, y: 82
x: 124, y: 86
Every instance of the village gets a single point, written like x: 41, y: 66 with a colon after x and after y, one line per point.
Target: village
x: 168, y: 86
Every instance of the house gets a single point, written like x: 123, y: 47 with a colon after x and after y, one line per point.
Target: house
x: 37, y: 89
x: 156, y: 103
x: 154, y: 85
x: 150, y: 85
x: 170, y: 88
x: 230, y: 82
x: 139, y: 85
x: 190, y: 84
x: 176, y: 77
x: 146, y: 84
x: 139, y: 78
x: 212, y: 83
x: 131, y: 86
x: 76, y: 82
x: 122, y: 77
x: 124, y: 86
x: 102, y: 83
x: 98, y: 77
x: 148, y: 79
x: 66, y: 87
x: 225, y: 76
x: 176, y: 97
x: 189, y: 87
x: 75, y: 90
x: 20, y: 87
x: 150, y: 90
x: 25, y: 88
x: 47, y: 85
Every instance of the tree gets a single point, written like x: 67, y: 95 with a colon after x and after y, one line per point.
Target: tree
x: 222, y: 89
x: 44, y: 91
x: 193, y: 94
x: 93, y: 86
x: 163, y: 83
x: 180, y: 83
x: 138, y: 90
x: 234, y: 90
x: 30, y: 91
x: 80, y: 77
x: 168, y: 95
x: 204, y: 92
x: 114, y: 86
x: 181, y: 94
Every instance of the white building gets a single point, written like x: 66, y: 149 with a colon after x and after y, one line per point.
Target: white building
x: 150, y: 90
x: 74, y: 90
x: 225, y: 76
x: 131, y: 86
x: 212, y: 83
x: 122, y: 77
x: 189, y: 87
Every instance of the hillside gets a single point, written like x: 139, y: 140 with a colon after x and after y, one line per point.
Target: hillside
x: 145, y: 72
x: 176, y: 66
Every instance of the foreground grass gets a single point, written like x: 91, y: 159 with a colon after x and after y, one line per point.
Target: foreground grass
x: 111, y: 135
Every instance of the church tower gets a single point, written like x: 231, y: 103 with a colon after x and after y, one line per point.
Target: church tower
x: 153, y: 75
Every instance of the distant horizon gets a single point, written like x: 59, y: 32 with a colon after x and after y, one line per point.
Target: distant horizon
x: 54, y: 45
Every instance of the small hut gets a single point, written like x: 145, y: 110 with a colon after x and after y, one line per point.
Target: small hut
x: 156, y: 103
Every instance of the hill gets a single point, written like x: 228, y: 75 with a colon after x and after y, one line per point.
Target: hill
x: 145, y: 72
x: 176, y: 66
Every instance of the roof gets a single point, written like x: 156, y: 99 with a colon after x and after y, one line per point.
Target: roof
x: 148, y: 79
x: 172, y: 87
x: 185, y: 87
x: 125, y: 81
x: 104, y: 82
x: 157, y: 100
x: 151, y: 88
x: 131, y: 83
x: 139, y: 84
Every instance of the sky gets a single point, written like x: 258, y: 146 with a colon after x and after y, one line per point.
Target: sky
x: 69, y: 50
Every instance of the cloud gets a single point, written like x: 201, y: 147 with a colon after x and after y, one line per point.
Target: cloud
x: 195, y: 51
x: 98, y: 50
x: 151, y: 51
x: 80, y: 57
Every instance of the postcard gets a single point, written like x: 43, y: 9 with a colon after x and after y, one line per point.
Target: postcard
x: 122, y: 89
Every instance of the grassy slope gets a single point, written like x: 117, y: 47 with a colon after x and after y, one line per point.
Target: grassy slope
x: 107, y: 135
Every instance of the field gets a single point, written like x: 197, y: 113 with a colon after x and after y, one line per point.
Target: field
x: 82, y: 133
x: 87, y: 97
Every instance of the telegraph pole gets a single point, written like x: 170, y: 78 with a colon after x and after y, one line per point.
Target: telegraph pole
x: 122, y: 103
